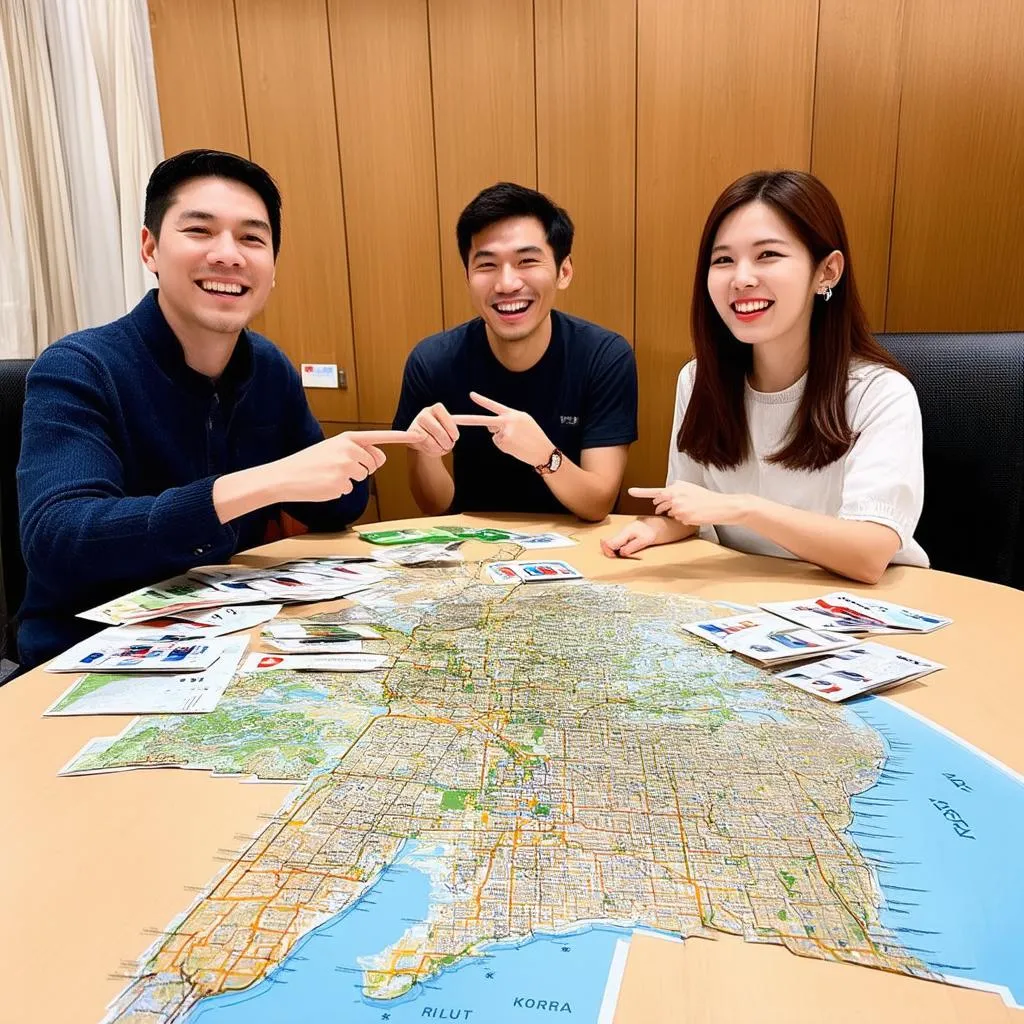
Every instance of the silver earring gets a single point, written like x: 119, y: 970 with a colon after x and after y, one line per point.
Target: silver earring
x: 827, y: 293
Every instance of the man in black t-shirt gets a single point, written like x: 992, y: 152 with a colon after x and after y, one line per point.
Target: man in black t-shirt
x: 548, y: 400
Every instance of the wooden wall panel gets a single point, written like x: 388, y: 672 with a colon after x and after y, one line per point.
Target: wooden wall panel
x: 631, y: 113
x: 857, y: 97
x: 394, y: 499
x: 959, y: 215
x: 198, y: 110
x: 289, y: 95
x: 482, y: 57
x: 385, y: 130
x: 715, y: 100
x: 586, y: 146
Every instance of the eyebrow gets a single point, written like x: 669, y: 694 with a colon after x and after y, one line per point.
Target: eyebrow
x: 249, y: 222
x: 763, y: 241
x: 488, y: 253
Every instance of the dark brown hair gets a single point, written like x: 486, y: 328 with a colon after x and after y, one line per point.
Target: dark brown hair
x: 169, y: 175
x: 714, y: 430
x: 507, y: 199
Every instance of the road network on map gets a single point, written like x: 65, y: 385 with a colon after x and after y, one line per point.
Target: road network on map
x: 566, y: 754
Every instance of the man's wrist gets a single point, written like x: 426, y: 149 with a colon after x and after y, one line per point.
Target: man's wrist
x: 541, y: 452
x: 551, y: 464
x: 246, y: 490
x: 271, y: 483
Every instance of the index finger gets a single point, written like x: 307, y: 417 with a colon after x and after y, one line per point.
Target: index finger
x: 646, y: 492
x: 469, y: 420
x: 368, y: 437
x: 489, y: 403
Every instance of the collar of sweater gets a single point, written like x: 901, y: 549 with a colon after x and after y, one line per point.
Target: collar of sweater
x: 163, y: 344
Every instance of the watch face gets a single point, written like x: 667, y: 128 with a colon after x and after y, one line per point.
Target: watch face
x: 555, y: 461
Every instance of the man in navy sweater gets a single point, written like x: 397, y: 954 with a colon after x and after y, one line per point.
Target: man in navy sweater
x: 172, y: 437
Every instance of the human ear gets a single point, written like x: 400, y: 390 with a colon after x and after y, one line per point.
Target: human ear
x: 149, y: 250
x: 830, y: 270
x: 564, y: 274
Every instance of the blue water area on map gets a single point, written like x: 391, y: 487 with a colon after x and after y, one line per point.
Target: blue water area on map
x: 944, y: 828
x: 303, y: 693
x: 320, y: 981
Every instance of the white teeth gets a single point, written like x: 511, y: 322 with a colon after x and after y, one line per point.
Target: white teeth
x: 217, y: 286
x: 511, y: 307
x: 751, y: 307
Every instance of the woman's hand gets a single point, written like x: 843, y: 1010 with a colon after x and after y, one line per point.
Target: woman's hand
x: 694, y: 505
x: 644, y: 533
x: 632, y: 538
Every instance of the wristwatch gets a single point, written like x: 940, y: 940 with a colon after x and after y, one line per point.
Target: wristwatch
x: 554, y: 461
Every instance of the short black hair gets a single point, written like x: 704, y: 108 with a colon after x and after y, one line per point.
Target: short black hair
x: 172, y: 173
x: 507, y: 199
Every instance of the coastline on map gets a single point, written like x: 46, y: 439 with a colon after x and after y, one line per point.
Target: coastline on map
x: 934, y: 829
x: 324, y: 968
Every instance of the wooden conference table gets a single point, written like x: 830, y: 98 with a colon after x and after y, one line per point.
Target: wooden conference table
x: 90, y: 867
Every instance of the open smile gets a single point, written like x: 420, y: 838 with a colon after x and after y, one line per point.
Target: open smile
x: 512, y: 310
x: 226, y: 290
x: 747, y: 310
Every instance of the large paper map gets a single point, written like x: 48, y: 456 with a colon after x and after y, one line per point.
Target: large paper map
x: 541, y: 770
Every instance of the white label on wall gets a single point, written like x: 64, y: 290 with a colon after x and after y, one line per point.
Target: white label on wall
x: 320, y: 375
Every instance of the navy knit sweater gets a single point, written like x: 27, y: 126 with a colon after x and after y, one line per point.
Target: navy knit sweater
x: 121, y: 444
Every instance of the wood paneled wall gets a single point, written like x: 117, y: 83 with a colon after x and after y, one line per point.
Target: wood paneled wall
x: 382, y: 118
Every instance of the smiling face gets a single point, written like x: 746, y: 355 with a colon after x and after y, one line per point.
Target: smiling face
x: 513, y: 279
x: 762, y: 278
x: 213, y: 257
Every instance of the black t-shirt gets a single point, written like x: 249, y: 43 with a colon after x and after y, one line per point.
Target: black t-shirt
x: 582, y: 392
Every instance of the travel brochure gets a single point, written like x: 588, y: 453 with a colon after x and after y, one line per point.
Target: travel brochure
x: 257, y: 662
x: 865, y: 668
x: 162, y: 693
x: 310, y: 629
x: 531, y: 572
x: 841, y: 612
x: 118, y: 653
x: 768, y: 640
x: 209, y: 623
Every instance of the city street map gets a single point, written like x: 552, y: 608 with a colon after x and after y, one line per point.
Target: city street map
x: 478, y: 827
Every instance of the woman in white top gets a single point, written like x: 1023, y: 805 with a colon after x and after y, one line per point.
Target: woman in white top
x: 795, y: 433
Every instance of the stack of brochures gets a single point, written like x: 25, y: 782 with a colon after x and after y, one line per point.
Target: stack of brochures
x: 128, y: 676
x: 766, y: 639
x: 790, y: 632
x: 863, y: 668
x: 305, y: 636
x: 295, y: 582
x: 308, y: 645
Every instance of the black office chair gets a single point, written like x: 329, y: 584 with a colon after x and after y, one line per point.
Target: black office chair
x: 12, y: 566
x: 971, y: 390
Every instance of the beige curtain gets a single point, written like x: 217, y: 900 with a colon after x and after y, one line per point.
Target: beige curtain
x: 79, y: 134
